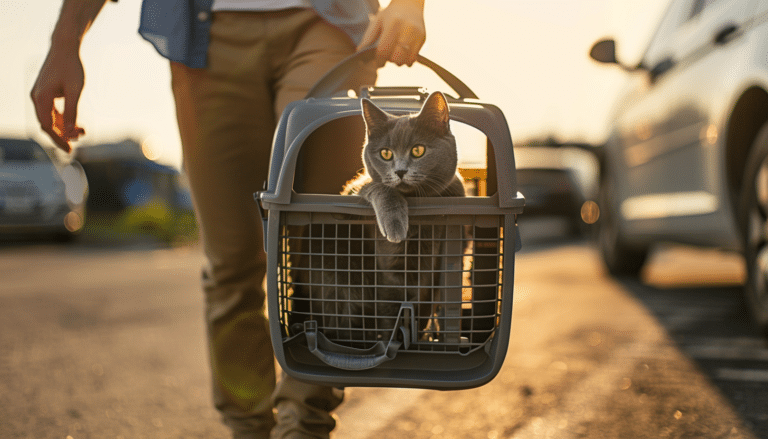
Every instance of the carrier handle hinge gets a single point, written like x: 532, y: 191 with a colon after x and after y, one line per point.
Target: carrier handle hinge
x: 262, y: 214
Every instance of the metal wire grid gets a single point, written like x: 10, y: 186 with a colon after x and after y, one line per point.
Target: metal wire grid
x: 446, y: 300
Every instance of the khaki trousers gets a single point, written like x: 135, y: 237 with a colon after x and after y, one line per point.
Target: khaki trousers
x: 258, y: 62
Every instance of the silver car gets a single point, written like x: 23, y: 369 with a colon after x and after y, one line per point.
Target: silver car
x: 687, y: 157
x: 38, y: 198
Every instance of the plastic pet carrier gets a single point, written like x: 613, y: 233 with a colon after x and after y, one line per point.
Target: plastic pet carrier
x: 456, y: 334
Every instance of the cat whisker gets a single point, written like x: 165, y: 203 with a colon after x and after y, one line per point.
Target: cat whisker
x: 434, y: 184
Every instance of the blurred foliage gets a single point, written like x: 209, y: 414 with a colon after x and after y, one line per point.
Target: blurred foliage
x: 153, y: 222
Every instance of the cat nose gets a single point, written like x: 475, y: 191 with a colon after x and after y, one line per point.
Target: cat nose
x: 400, y: 173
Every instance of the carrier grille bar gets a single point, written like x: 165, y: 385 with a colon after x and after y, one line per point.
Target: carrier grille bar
x: 332, y: 269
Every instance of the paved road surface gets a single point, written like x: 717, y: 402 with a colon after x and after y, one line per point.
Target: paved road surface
x: 98, y: 343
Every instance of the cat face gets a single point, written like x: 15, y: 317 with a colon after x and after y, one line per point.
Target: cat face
x: 415, y: 154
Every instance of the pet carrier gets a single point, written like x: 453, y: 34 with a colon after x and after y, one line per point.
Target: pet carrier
x: 456, y: 335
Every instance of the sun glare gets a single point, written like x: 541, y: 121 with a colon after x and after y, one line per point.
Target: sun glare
x: 150, y: 149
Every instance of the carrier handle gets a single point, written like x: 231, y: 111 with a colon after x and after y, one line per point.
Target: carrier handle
x: 344, y: 357
x: 347, y: 358
x: 335, y: 80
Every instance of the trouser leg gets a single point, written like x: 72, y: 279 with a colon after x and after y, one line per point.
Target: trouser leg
x: 329, y: 158
x: 223, y: 169
x: 258, y: 63
x: 226, y: 123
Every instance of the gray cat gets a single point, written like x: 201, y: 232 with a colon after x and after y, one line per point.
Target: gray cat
x: 356, y: 288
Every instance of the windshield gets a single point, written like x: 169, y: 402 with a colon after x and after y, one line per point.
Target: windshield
x: 21, y: 151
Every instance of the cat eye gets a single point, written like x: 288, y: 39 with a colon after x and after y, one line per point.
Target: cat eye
x: 418, y: 151
x: 386, y: 154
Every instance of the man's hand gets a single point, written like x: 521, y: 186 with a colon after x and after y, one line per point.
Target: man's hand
x: 400, y: 30
x: 61, y: 76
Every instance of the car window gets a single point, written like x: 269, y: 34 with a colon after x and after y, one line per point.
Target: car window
x: 21, y: 151
x: 690, y: 26
x: 699, y: 6
x: 696, y: 38
x: 662, y: 43
x: 761, y: 10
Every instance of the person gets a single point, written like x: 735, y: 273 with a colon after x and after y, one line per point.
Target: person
x: 235, y: 65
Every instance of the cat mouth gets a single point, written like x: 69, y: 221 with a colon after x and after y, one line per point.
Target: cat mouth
x: 405, y: 187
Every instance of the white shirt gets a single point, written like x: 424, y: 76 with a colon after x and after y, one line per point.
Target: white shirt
x: 258, y: 5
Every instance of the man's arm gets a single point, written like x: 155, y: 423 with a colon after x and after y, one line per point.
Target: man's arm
x: 400, y: 30
x: 62, y: 72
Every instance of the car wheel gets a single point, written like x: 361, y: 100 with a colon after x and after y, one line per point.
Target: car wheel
x: 754, y: 220
x: 619, y: 258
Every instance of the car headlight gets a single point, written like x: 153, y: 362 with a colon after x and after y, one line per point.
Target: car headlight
x: 74, y: 185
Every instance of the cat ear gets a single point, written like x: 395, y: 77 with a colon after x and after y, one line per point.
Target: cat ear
x: 375, y: 118
x: 434, y: 114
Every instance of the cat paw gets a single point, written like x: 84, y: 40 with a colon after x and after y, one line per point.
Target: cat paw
x: 394, y: 230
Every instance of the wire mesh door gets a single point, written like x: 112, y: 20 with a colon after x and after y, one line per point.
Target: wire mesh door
x: 443, y: 296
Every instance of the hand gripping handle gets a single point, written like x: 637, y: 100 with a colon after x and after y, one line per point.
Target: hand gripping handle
x: 337, y: 78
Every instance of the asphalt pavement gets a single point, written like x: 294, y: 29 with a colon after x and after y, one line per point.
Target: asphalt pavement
x: 109, y: 343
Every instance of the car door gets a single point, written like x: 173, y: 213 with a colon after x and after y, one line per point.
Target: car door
x: 672, y: 133
x: 643, y: 125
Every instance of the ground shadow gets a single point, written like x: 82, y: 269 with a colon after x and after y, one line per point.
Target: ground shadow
x: 713, y: 326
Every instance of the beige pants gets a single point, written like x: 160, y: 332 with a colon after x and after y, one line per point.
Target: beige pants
x: 258, y: 62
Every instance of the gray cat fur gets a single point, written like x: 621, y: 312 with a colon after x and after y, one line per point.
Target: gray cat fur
x: 402, y: 270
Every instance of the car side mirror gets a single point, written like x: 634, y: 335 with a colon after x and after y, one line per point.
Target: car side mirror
x: 604, y: 51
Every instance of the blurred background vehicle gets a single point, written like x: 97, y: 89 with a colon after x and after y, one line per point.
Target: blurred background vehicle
x: 687, y: 157
x: 133, y: 195
x: 559, y: 181
x: 39, y: 196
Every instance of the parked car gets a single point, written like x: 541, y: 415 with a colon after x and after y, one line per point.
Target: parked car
x: 133, y: 195
x: 687, y: 157
x: 37, y: 196
x: 558, y: 181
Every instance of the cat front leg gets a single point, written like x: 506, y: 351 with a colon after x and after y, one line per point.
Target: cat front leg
x: 390, y: 208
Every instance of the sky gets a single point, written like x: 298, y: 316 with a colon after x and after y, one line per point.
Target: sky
x: 529, y: 57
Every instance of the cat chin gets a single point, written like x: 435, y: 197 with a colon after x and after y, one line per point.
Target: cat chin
x: 405, y: 188
x: 411, y: 189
